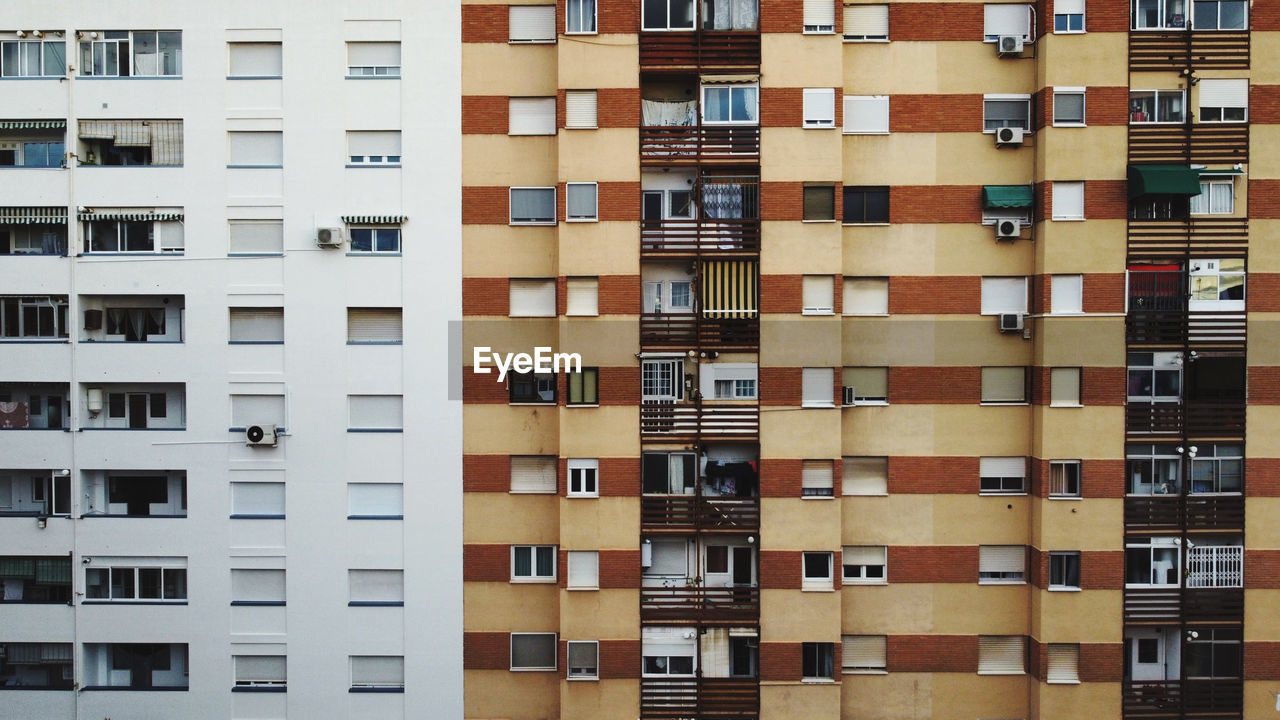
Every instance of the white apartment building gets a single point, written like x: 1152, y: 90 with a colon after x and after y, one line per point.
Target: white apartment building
x: 223, y: 223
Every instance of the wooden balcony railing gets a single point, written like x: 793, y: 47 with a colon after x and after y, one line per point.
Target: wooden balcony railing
x: 1151, y: 700
x: 1153, y: 512
x: 1174, y: 50
x: 1152, y: 606
x: 670, y: 422
x: 706, y: 605
x: 1185, y: 144
x: 706, y: 49
x: 1213, y: 605
x: 689, y: 513
x: 729, y: 698
x: 687, y: 332
x: 688, y: 145
x: 1173, y: 239
x: 1176, y: 327
x: 1204, y: 419
x: 663, y: 699
x: 1205, y: 699
x: 1214, y: 512
x: 685, y: 238
x: 1194, y: 512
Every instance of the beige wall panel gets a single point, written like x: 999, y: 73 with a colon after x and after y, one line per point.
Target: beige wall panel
x: 1095, y: 341
x: 944, y: 158
x: 1089, y: 59
x: 798, y: 154
x: 1261, y: 164
x: 1264, y: 348
x: 1263, y: 257
x: 1070, y: 702
x: 792, y: 340
x: 1093, y: 524
x: 1093, y: 246
x: 611, y: 431
x: 608, y: 154
x: 801, y: 524
x: 936, y: 430
x: 587, y: 700
x: 603, y: 61
x: 1260, y: 610
x: 980, y: 696
x: 932, y: 340
x: 791, y: 432
x: 519, y: 161
x: 1092, y: 153
x: 502, y: 335
x: 799, y: 616
x: 1261, y: 422
x: 953, y: 249
x: 489, y: 69
x: 978, y: 519
x: 510, y: 430
x: 976, y: 340
x: 595, y: 614
x: 1261, y: 534
x: 520, y: 607
x: 609, y: 342
x: 1171, y: 80
x: 799, y: 700
x: 930, y: 67
x: 796, y: 248
x: 526, y: 519
x: 502, y: 251
x: 605, y: 248
x: 796, y: 60
x: 1265, y: 60
x: 905, y: 609
x: 515, y: 695
x: 611, y: 523
x: 895, y: 696
x: 887, y: 520
x: 981, y: 609
x: 1078, y: 433
x: 1061, y: 616
x: 1259, y: 698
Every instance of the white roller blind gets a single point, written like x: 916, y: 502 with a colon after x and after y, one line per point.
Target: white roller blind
x: 377, y: 671
x: 584, y: 568
x: 817, y: 475
x: 866, y: 21
x: 817, y: 386
x: 866, y: 296
x: 818, y: 293
x: 1224, y: 93
x: 583, y: 296
x: 1066, y: 294
x: 255, y: 148
x: 1002, y: 467
x: 1068, y: 7
x: 366, y: 54
x: 532, y: 23
x: 257, y: 585
x: 171, y: 235
x: 1004, y: 295
x: 1002, y: 558
x: 1003, y: 384
x: 373, y: 142
x: 863, y: 555
x: 866, y: 113
x: 375, y: 499
x: 1068, y: 200
x: 1063, y: 661
x: 533, y: 474
x: 865, y: 476
x: 1064, y: 386
x: 254, y: 59
x: 374, y: 325
x: 532, y: 298
x: 580, y: 201
x: 249, y: 410
x: 819, y: 15
x: 377, y: 411
x: 863, y: 652
x: 1006, y: 19
x: 819, y: 107
x: 531, y: 116
x: 257, y: 325
x: 376, y: 585
x: 261, y: 669
x: 256, y: 236
x: 1001, y: 654
x: 580, y: 109
x: 257, y: 498
x: 866, y: 382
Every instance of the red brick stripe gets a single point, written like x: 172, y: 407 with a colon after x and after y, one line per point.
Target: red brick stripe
x: 486, y: 650
x: 940, y: 294
x: 1264, y: 201
x: 935, y: 113
x: 932, y: 653
x: 933, y: 564
x: 486, y: 473
x: 485, y: 24
x: 935, y: 21
x: 933, y: 475
x: 484, y: 114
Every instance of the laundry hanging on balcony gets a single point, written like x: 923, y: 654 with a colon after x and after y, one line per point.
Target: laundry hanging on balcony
x: 730, y: 289
x: 730, y: 15
x: 662, y: 113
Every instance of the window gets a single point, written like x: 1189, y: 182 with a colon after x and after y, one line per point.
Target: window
x: 816, y: 387
x: 1063, y: 661
x: 533, y: 651
x: 1006, y: 111
x: 532, y: 24
x: 818, y: 658
x: 375, y: 240
x: 667, y: 296
x: 255, y: 237
x: 1217, y: 468
x: 583, y: 659
x: 1068, y: 200
x: 863, y: 654
x: 373, y: 147
x: 114, y: 142
x: 580, y: 16
x: 583, y: 477
x: 817, y: 478
x: 1064, y: 478
x: 1004, y: 385
x: 257, y: 500
x: 38, y: 666
x: 374, y: 501
x: 1068, y: 16
x: 260, y: 671
x: 533, y: 474
x: 264, y: 409
x: 1002, y: 475
x: 584, y: 570
x: 251, y: 586
x: 865, y: 476
x: 1004, y: 295
x: 1064, y: 387
x: 36, y: 152
x: 374, y: 326
x: 819, y: 202
x: 373, y: 59
x: 155, y: 54
x: 1159, y: 14
x: 583, y: 296
x: 1064, y: 571
x: 1001, y: 564
x: 580, y: 109
x: 255, y: 149
x: 1155, y: 376
x: 138, y: 236
x: 866, y: 296
x: 581, y: 202
x: 731, y: 104
x: 728, y: 381
x: 1151, y: 562
x: 819, y: 17
x: 256, y: 326
x: 1152, y: 470
x: 866, y: 114
x: 135, y: 580
x: 533, y: 206
x: 531, y: 116
x: 40, y: 317
x: 1213, y: 653
x: 817, y: 571
x: 375, y: 587
x: 1221, y: 15
x: 1157, y: 106
x: 667, y: 658
x: 376, y: 412
x: 865, y: 386
x: 1006, y: 19
x: 1002, y: 654
x: 866, y: 23
x: 531, y: 297
x: 32, y: 57
x: 819, y: 107
x: 1066, y: 294
x: 867, y: 205
x: 141, y: 410
x: 1224, y: 100
x: 864, y: 564
x: 254, y: 60
x: 384, y: 673
x: 817, y: 295
x: 532, y: 388
x: 1068, y: 108
x: 667, y: 15
x: 1217, y: 197
x: 533, y: 563
x: 660, y: 380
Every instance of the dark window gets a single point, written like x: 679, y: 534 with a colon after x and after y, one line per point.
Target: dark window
x: 583, y: 387
x: 1064, y: 569
x: 532, y: 388
x: 115, y: 405
x: 159, y: 408
x: 818, y: 660
x: 819, y: 202
x: 866, y: 205
x: 718, y: 559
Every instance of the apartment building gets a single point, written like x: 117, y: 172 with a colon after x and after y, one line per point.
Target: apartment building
x: 225, y: 442
x: 927, y: 369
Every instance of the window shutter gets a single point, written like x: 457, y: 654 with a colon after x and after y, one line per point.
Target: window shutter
x: 377, y: 671
x: 371, y: 142
x: 367, y: 325
x: 253, y: 585
x: 582, y: 655
x: 373, y: 54
x: 1004, y: 295
x: 249, y: 410
x: 257, y: 325
x: 583, y: 296
x: 533, y: 23
x: 867, y: 382
x: 261, y: 669
x: 1068, y: 7
x: 817, y: 475
x: 376, y: 585
x: 533, y: 205
x: 819, y: 15
x: 255, y: 148
x: 531, y: 116
x: 1002, y: 467
x: 1004, y: 384
x: 532, y: 298
x: 863, y: 555
x: 1001, y: 654
x: 865, y: 476
x: 580, y: 201
x: 866, y: 113
x: 533, y: 650
x: 819, y: 107
x: 377, y: 411
x: 1063, y: 661
x: 256, y: 236
x: 866, y: 296
x: 1068, y: 200
x: 1002, y: 558
x: 866, y: 21
x: 584, y: 568
x: 375, y: 499
x: 1224, y: 93
x: 1007, y: 19
x: 817, y: 386
x: 863, y: 652
x: 817, y: 293
x: 257, y: 498
x: 533, y: 474
x: 254, y: 59
x: 580, y: 109
x: 1066, y: 293
x: 1064, y: 386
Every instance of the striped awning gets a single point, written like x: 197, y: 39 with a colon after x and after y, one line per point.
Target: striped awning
x: 374, y: 219
x: 130, y: 216
x: 33, y: 215
x: 730, y: 289
x: 32, y: 124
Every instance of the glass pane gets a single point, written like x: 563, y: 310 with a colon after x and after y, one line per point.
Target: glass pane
x: 55, y: 59
x: 655, y: 14
x: 171, y: 53
x: 388, y: 240
x: 1232, y: 15
x: 682, y: 14
x: 522, y: 562
x: 122, y: 583
x: 545, y: 561
x: 361, y: 240
x: 9, y: 59
x: 744, y: 104
x: 715, y: 104
x: 149, y: 583
x: 1142, y: 107
x: 1169, y: 107
x: 1206, y: 16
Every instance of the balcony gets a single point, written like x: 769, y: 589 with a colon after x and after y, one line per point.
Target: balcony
x: 671, y: 422
x: 1148, y: 513
x: 1178, y: 49
x: 1199, y: 418
x: 1187, y: 144
x: 1185, y: 700
x: 728, y: 237
x: 706, y: 50
x: 1178, y: 327
x: 660, y: 145
x: 681, y: 332
x: 685, y: 513
x: 729, y: 698
x: 1173, y: 239
x: 704, y: 605
x: 1153, y: 512
x: 1214, y: 512
x: 1152, y: 606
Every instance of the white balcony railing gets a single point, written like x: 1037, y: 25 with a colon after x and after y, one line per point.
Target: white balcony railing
x: 1214, y: 566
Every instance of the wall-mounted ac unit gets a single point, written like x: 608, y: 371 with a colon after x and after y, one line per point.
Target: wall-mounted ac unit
x: 1009, y: 136
x: 260, y: 435
x: 1009, y: 45
x: 1008, y: 229
x: 1010, y: 322
x: 329, y: 237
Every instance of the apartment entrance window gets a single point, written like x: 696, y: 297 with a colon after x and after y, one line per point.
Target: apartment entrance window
x: 1214, y: 653
x: 667, y: 14
x: 33, y: 317
x: 136, y: 410
x: 1159, y: 14
x: 1218, y: 468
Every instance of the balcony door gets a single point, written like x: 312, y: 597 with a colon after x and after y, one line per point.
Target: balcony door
x: 1148, y: 661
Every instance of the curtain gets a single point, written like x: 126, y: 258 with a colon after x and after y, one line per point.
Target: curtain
x: 722, y: 200
x: 730, y: 15
x: 663, y: 113
x: 715, y: 653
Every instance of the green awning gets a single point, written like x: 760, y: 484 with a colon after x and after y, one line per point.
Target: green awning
x: 1006, y: 196
x: 33, y: 215
x: 1163, y: 180
x: 1227, y: 171
x: 32, y: 124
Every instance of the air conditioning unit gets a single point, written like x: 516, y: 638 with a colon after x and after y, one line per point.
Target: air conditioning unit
x: 1009, y: 45
x: 1009, y: 136
x: 329, y: 237
x: 847, y: 395
x: 1010, y: 322
x: 262, y: 435
x: 1008, y: 229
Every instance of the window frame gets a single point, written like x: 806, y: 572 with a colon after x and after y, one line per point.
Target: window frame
x: 667, y: 26
x: 1067, y: 480
x: 592, y: 674
x: 374, y: 240
x: 540, y: 382
x: 539, y: 221
x: 703, y: 105
x: 1066, y: 558
x: 1026, y: 127
x: 363, y: 161
x: 568, y: 562
x: 569, y: 18
x: 1023, y: 309
x: 824, y: 655
x: 134, y: 572
x: 817, y: 582
x: 1155, y: 103
x: 1068, y: 31
x: 555, y: 639
x: 86, y: 69
x: 374, y: 75
x: 1163, y: 12
x: 1214, y: 460
x: 1009, y: 401
x: 587, y: 377
x: 862, y: 576
x: 845, y: 37
x: 880, y: 103
x: 1079, y: 382
x: 824, y: 189
x: 1004, y: 484
x: 866, y: 191
x: 1161, y: 362
x: 1206, y: 191
x: 568, y: 198
x: 817, y: 28
x: 533, y: 577
x: 1218, y: 26
x: 42, y: 55
x: 1029, y: 34
x: 1002, y: 577
x: 845, y: 658
x: 829, y: 401
x: 589, y: 470
x: 532, y: 41
x: 827, y: 95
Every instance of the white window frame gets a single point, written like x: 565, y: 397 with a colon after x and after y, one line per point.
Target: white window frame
x: 592, y: 673
x: 374, y: 71
x: 1067, y: 471
x: 818, y: 6
x: 1006, y: 401
x: 864, y: 575
x: 661, y: 370
x: 704, y: 105
x: 533, y: 576
x: 158, y: 237
x: 992, y: 644
x: 999, y: 469
x: 1161, y: 362
x: 277, y: 234
x: 268, y: 45
x: 534, y: 221
x: 386, y: 160
x: 817, y: 582
x: 243, y: 681
x: 1163, y: 16
x: 131, y: 38
x: 119, y: 566
x: 1218, y: 24
x: 1084, y: 107
x: 581, y: 97
x: 576, y: 303
x: 817, y: 479
x: 1209, y: 206
x: 555, y: 644
x: 995, y: 576
x: 1027, y: 34
x: 358, y: 684
x: 881, y: 644
x: 1057, y: 587
x: 819, y: 108
x: 1156, y: 104
x: 1084, y: 27
x: 595, y: 201
x: 851, y: 396
x: 581, y: 473
x: 569, y: 17
x: 1006, y: 97
x: 1151, y: 544
x: 815, y: 375
x: 530, y: 10
x: 271, y: 137
x: 544, y: 466
x: 374, y: 232
x: 827, y: 308
x: 876, y: 38
x: 1069, y: 376
x: 41, y: 57
x: 880, y: 285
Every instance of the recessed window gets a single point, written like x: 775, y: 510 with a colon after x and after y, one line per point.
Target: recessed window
x: 532, y: 24
x: 1066, y: 294
x: 1218, y: 468
x: 864, y: 564
x: 584, y: 477
x: 583, y: 296
x: 376, y: 412
x: 32, y: 57
x: 818, y: 660
x: 817, y: 385
x: 375, y: 501
x: 580, y: 17
x: 154, y: 580
x: 373, y: 59
x: 533, y: 474
x: 1006, y: 111
x: 1064, y: 571
x: 255, y: 237
x: 1154, y: 376
x: 1002, y: 654
x: 533, y: 651
x: 253, y: 586
x: 531, y: 115
x: 375, y: 239
x: 863, y: 654
x: 667, y: 15
x: 866, y: 114
x: 867, y: 205
x: 584, y: 570
x: 1004, y: 385
x: 381, y: 673
x: 1217, y: 197
x: 580, y: 109
x: 1002, y: 295
x: 107, y: 54
x: 531, y: 297
x: 256, y: 325
x: 260, y: 672
x: 819, y: 16
x: 865, y: 476
x: 533, y: 563
x: 1002, y: 564
x: 583, y: 659
x: 254, y: 60
x: 375, y: 326
x: 865, y: 386
x: 1064, y: 660
x: 533, y: 206
x: 375, y: 587
x: 866, y: 296
x: 819, y: 202
x: 817, y: 478
x: 1221, y: 15
x: 257, y: 500
x: 866, y: 23
x: 1006, y: 19
x: 1068, y: 200
x: 373, y: 148
x: 531, y: 388
x: 731, y: 104
x: 1157, y: 106
x: 1064, y: 387
x: 817, y: 571
x: 1002, y: 475
x: 1068, y: 106
x: 581, y: 202
x: 1068, y: 16
x: 819, y: 107
x: 584, y: 386
x: 1064, y: 478
x: 817, y: 295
